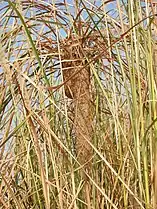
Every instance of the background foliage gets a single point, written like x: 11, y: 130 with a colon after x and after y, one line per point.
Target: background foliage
x: 38, y: 162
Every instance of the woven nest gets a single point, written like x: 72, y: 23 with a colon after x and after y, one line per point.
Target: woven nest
x: 76, y: 75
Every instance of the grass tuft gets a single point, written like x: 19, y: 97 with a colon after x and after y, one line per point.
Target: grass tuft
x: 78, y: 104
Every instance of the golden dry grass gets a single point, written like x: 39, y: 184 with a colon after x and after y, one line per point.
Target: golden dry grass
x: 78, y: 104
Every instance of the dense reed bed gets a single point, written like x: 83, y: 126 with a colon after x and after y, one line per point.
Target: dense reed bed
x: 78, y: 104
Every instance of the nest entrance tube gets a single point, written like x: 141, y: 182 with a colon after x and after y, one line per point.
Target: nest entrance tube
x: 78, y: 88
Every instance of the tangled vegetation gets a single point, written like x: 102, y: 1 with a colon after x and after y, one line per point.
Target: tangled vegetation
x: 78, y: 97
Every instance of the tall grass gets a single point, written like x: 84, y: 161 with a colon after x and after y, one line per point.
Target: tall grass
x: 40, y: 165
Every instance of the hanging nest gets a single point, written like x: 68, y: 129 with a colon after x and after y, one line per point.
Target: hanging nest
x: 77, y: 79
